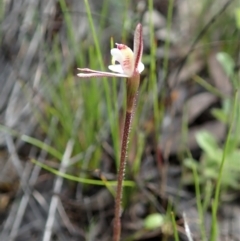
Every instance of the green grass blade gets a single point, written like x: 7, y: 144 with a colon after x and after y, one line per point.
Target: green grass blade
x: 199, y: 203
x: 82, y: 180
x: 214, y: 226
x: 175, y: 231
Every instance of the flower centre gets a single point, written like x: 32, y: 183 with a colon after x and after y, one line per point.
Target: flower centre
x: 126, y: 60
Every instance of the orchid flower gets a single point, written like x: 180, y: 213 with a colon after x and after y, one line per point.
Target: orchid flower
x: 129, y: 66
x: 129, y: 61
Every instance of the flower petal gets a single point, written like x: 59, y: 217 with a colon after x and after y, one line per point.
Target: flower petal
x: 127, y: 61
x: 116, y: 55
x: 116, y: 68
x: 138, y: 45
x: 140, y: 67
x: 94, y: 73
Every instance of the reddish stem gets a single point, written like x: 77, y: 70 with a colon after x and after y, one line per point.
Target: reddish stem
x: 121, y: 172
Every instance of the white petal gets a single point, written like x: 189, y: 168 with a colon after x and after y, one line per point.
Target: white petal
x: 89, y: 73
x: 117, y: 55
x: 116, y: 68
x: 140, y: 67
x: 103, y: 74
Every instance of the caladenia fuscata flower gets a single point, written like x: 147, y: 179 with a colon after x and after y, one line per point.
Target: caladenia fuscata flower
x: 128, y: 66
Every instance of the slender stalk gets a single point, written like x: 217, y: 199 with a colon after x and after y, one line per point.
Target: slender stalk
x: 121, y: 172
x: 132, y: 89
x: 199, y: 204
x: 214, y: 227
x: 131, y: 67
x: 175, y: 231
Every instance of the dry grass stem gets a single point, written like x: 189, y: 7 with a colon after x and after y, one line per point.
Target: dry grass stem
x: 57, y: 189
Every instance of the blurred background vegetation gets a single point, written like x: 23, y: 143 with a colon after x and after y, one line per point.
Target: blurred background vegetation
x: 60, y: 135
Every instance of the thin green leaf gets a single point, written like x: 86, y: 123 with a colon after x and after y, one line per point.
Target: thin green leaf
x: 42, y: 145
x: 82, y: 180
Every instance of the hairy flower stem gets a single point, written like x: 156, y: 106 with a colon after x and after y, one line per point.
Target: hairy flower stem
x: 129, y: 66
x: 132, y: 87
x: 118, y: 198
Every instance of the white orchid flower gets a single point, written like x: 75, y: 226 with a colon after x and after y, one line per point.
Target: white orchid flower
x: 129, y: 62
